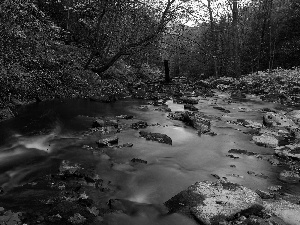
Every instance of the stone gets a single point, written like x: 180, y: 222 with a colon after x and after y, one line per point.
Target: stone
x: 139, y: 125
x: 215, y: 202
x: 216, y: 176
x: 190, y: 107
x: 275, y: 188
x: 271, y: 119
x: 106, y: 142
x: 265, y: 140
x: 289, y: 152
x: 241, y: 151
x: 265, y: 194
x: 249, y: 123
x: 287, y: 211
x: 234, y: 175
x: 197, y: 121
x: 232, y: 156
x: 105, y: 123
x: 161, y: 138
x: 221, y: 109
x: 289, y: 177
x: 137, y: 160
x: 257, y: 174
x: 178, y: 115
x: 295, y: 116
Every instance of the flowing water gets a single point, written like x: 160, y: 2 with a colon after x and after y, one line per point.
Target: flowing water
x: 34, y: 143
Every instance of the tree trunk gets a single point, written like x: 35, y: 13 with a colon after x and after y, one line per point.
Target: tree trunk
x: 236, y: 47
x: 214, y: 47
x: 167, y: 71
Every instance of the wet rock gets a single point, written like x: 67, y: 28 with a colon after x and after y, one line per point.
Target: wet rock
x: 126, y: 117
x: 241, y: 151
x: 127, y: 145
x: 289, y: 177
x: 295, y: 116
x: 106, y: 142
x: 249, y: 123
x: 214, y: 202
x: 232, y: 156
x: 190, y: 107
x: 221, y: 109
x: 216, y: 176
x: 265, y: 194
x: 197, y: 121
x: 137, y: 160
x: 289, y: 152
x: 265, y: 140
x: 238, y: 94
x: 210, y: 133
x: 178, y: 115
x: 139, y: 125
x: 234, y: 175
x: 271, y: 119
x: 257, y: 174
x: 105, y: 123
x: 275, y: 188
x: 287, y: 211
x: 161, y: 138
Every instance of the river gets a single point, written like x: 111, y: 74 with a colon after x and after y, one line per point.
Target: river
x: 34, y: 143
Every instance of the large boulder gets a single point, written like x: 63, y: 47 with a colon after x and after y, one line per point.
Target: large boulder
x: 289, y: 177
x: 161, y: 138
x: 139, y: 125
x: 197, y: 121
x: 266, y: 140
x: 215, y: 202
x: 271, y: 119
x: 287, y: 211
x: 294, y: 115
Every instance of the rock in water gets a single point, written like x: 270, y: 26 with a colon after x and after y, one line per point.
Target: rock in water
x: 287, y: 211
x: 271, y: 119
x: 265, y: 140
x: 215, y: 202
x: 139, y: 125
x: 289, y: 177
x: 105, y: 142
x: 161, y: 138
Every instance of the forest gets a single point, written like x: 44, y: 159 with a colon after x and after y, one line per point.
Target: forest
x: 64, y: 48
x: 163, y: 112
